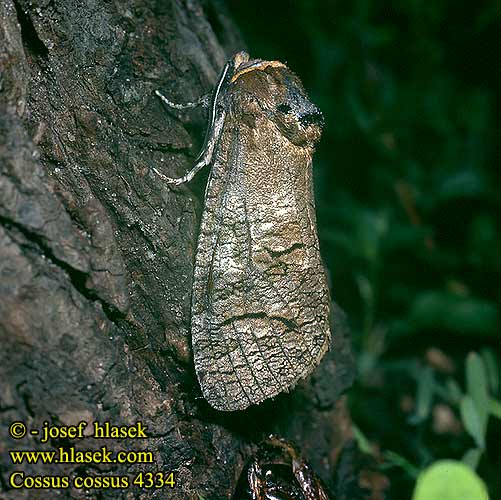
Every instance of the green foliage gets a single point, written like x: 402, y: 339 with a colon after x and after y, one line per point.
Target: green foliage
x: 472, y: 421
x: 363, y: 443
x: 472, y: 457
x: 454, y: 313
x: 478, y: 403
x: 478, y: 397
x: 491, y: 366
x: 449, y: 480
x: 475, y: 405
x: 393, y: 459
x: 424, y: 396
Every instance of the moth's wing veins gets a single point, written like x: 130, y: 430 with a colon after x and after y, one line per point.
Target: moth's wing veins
x: 260, y: 300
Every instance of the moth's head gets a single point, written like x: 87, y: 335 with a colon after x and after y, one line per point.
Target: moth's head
x: 271, y: 89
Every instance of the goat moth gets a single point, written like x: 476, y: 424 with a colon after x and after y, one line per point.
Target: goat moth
x: 260, y: 303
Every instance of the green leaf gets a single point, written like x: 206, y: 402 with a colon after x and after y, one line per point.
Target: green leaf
x: 454, y: 390
x: 396, y: 460
x: 472, y: 457
x: 424, y: 395
x: 449, y: 480
x: 362, y: 442
x: 495, y: 408
x: 476, y: 387
x: 462, y: 184
x: 471, y: 421
x: 491, y: 366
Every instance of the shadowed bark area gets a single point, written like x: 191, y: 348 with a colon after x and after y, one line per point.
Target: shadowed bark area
x: 96, y: 254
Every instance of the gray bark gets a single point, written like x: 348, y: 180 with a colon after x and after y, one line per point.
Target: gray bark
x: 96, y: 254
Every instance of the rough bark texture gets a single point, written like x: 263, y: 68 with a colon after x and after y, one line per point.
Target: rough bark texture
x: 96, y: 254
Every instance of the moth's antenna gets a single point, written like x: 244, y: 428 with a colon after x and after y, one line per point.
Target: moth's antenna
x: 213, y: 106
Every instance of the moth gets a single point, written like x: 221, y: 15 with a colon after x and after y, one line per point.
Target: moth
x: 260, y: 300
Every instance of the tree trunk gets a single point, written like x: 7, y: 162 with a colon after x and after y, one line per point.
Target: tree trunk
x: 96, y: 253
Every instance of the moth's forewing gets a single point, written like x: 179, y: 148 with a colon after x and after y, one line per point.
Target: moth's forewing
x: 260, y: 302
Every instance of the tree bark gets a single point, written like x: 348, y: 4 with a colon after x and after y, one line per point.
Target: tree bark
x: 96, y: 254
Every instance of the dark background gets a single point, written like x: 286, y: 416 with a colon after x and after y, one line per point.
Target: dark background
x: 408, y: 202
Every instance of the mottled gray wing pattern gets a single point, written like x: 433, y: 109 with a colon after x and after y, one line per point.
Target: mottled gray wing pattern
x: 260, y: 300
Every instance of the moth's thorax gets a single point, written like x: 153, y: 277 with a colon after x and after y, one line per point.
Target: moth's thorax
x: 267, y: 153
x: 277, y: 95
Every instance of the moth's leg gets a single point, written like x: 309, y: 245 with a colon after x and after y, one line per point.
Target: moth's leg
x: 205, y: 157
x: 187, y: 177
x: 214, y: 126
x: 203, y: 101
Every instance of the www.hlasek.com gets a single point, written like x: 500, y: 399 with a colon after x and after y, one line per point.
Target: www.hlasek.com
x: 70, y: 455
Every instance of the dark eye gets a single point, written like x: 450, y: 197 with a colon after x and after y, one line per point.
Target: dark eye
x: 283, y: 108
